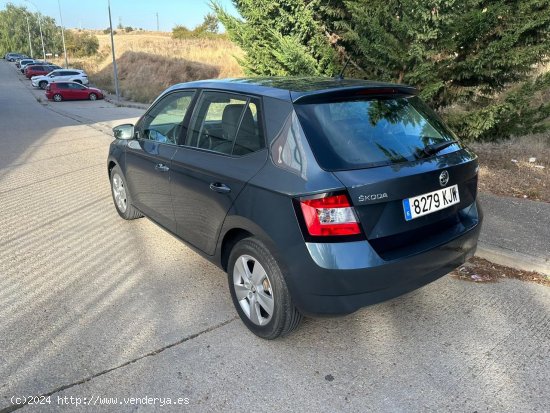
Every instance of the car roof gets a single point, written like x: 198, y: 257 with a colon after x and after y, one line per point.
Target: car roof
x: 70, y: 70
x: 295, y: 89
x: 66, y: 82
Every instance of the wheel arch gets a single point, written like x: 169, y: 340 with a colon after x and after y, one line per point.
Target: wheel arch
x: 111, y: 164
x: 235, y: 229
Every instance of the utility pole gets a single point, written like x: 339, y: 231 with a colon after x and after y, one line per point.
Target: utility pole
x: 29, y: 31
x: 158, y: 27
x: 41, y: 38
x: 113, y: 50
x: 40, y: 26
x: 63, y: 34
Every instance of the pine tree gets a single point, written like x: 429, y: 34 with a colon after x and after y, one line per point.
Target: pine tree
x: 279, y: 37
x: 478, y: 54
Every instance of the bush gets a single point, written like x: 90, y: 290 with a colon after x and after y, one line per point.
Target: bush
x: 81, y: 44
x: 181, y: 32
x: 208, y: 28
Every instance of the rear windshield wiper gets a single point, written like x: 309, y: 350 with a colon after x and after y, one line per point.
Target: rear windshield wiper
x: 434, y: 148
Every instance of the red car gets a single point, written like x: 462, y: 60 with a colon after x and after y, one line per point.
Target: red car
x: 59, y: 91
x: 39, y: 70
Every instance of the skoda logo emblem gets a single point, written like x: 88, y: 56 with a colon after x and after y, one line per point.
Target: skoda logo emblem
x: 444, y: 178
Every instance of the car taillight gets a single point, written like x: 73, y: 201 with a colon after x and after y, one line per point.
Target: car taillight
x: 330, y: 215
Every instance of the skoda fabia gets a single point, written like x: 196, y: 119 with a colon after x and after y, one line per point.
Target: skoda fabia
x: 316, y: 196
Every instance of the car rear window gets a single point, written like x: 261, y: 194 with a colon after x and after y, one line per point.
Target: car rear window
x: 364, y: 133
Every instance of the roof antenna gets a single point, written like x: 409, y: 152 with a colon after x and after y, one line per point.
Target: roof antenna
x: 340, y: 76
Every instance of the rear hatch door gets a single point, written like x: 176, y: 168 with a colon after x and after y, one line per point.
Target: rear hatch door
x: 384, y: 149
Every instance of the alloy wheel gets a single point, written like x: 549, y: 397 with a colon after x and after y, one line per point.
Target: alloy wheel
x: 253, y: 290
x: 119, y: 193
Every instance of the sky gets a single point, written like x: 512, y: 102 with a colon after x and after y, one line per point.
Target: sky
x: 92, y: 14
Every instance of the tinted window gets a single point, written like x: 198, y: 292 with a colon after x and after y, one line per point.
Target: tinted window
x: 226, y: 123
x: 76, y: 86
x: 366, y: 133
x: 164, y: 122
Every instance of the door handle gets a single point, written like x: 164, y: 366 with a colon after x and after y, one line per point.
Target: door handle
x: 219, y: 187
x: 161, y: 167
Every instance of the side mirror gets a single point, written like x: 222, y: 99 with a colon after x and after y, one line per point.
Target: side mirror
x: 125, y: 131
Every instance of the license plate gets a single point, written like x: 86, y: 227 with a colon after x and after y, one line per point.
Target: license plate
x: 431, y: 202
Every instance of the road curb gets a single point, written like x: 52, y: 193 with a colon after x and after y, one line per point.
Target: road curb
x: 513, y: 259
x: 124, y: 103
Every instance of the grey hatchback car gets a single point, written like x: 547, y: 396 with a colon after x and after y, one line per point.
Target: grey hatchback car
x: 317, y: 196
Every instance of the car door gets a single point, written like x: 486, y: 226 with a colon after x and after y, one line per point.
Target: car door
x: 55, y: 76
x: 224, y: 148
x: 78, y: 91
x: 64, y: 90
x: 63, y: 76
x: 148, y: 156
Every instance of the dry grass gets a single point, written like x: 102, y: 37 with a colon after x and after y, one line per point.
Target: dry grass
x: 505, y: 168
x: 483, y: 271
x: 144, y: 57
x: 142, y: 76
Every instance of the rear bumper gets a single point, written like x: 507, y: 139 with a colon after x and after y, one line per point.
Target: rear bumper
x: 340, y: 278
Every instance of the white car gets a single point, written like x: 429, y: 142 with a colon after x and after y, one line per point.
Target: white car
x: 60, y: 75
x: 23, y: 62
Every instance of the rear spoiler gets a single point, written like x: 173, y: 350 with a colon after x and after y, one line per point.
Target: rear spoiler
x: 353, y: 93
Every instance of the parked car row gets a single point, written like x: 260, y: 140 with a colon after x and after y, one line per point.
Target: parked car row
x: 59, y: 83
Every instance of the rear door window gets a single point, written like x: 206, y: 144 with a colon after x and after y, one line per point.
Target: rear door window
x: 354, y: 134
x: 226, y: 123
x: 76, y: 86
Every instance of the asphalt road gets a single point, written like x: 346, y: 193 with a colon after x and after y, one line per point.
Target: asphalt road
x: 96, y: 308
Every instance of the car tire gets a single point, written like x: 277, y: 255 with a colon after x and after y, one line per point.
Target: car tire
x: 43, y: 84
x: 77, y: 81
x: 121, y: 196
x: 93, y: 96
x: 260, y: 294
x: 57, y: 97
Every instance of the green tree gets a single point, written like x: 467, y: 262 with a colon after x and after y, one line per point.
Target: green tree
x: 208, y: 28
x: 14, y: 33
x: 475, y: 54
x: 279, y: 37
x: 209, y: 24
x: 81, y: 44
